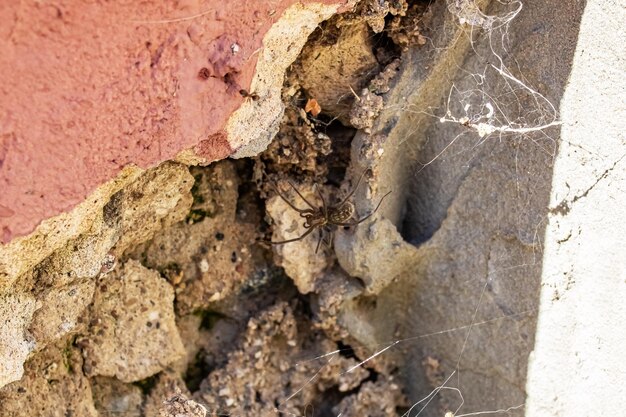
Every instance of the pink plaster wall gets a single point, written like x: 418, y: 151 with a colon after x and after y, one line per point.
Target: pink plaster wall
x: 88, y: 87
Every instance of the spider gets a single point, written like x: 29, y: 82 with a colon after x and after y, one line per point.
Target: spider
x: 321, y: 217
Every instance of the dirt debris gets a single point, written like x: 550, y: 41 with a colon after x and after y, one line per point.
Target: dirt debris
x: 381, y: 83
x: 375, y: 11
x: 331, y: 291
x: 409, y: 28
x: 180, y: 406
x: 170, y: 394
x: 273, y: 363
x: 365, y: 110
x: 297, y: 148
x: 374, y: 399
x: 370, y: 103
x: 433, y: 370
x: 114, y: 397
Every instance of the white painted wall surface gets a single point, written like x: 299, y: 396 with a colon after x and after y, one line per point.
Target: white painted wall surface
x: 578, y: 367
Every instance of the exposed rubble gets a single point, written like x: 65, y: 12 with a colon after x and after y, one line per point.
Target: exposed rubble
x: 332, y: 80
x: 53, y: 384
x: 179, y: 406
x: 16, y: 313
x: 131, y: 336
x: 207, y: 257
x: 112, y: 396
x: 279, y: 366
x: 374, y: 399
x: 171, y: 299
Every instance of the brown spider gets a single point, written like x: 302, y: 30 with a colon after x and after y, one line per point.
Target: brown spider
x: 321, y: 217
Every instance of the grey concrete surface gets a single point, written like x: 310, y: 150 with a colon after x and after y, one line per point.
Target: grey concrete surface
x: 475, y: 206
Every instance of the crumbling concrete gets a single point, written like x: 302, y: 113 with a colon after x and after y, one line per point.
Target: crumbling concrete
x: 112, y: 396
x: 336, y: 63
x: 207, y: 257
x: 178, y: 405
x: 472, y: 211
x: 169, y: 396
x: 374, y: 399
x: 441, y: 285
x: 53, y: 384
x: 131, y: 337
x: 55, y: 285
x: 278, y: 367
x: 16, y: 313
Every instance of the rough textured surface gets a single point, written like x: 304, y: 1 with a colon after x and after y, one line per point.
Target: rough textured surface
x: 209, y: 255
x: 578, y: 363
x: 76, y: 244
x: 16, y: 312
x: 168, y: 393
x: 298, y: 258
x: 59, y: 278
x: 446, y: 275
x: 54, y: 234
x: 263, y: 376
x: 338, y: 61
x: 150, y: 81
x: 179, y: 406
x: 131, y: 337
x: 53, y: 385
x: 111, y: 396
x: 365, y: 110
x: 61, y: 310
x: 253, y: 126
x: 473, y: 208
x: 374, y: 399
x: 298, y: 145
x: 377, y: 256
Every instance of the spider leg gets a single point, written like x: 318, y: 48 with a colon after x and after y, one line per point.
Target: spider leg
x: 308, y: 232
x: 353, y: 190
x: 329, y: 242
x: 364, y: 218
x: 301, y: 211
x: 325, y: 238
x: 319, y: 240
x: 301, y: 196
x: 324, y: 208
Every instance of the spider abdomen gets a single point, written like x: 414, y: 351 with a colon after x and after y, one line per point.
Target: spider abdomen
x: 341, y: 214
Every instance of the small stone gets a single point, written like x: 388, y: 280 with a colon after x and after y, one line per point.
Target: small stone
x: 204, y: 266
x: 129, y: 348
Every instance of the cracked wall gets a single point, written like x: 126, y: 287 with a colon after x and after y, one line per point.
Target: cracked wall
x: 163, y: 283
